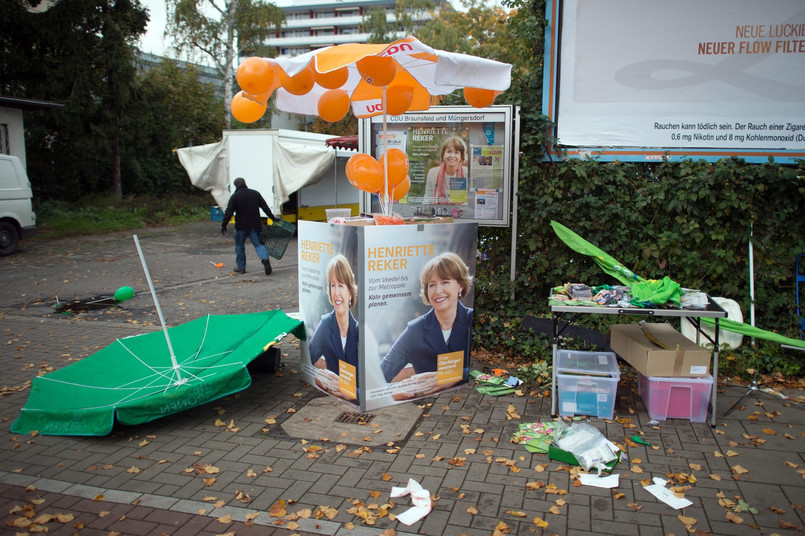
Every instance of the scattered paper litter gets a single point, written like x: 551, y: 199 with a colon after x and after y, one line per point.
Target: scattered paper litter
x: 664, y: 494
x: 420, y: 497
x: 610, y: 481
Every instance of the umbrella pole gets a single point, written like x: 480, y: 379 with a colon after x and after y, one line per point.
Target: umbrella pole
x: 386, y: 205
x: 179, y: 379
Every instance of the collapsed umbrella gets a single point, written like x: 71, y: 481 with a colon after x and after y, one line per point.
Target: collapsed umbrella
x: 134, y: 379
x: 603, y: 259
x: 757, y: 333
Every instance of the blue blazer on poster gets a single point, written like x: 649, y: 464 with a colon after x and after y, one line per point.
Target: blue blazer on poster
x: 326, y: 342
x: 422, y: 341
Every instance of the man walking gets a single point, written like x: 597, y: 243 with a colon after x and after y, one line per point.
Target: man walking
x: 245, y: 205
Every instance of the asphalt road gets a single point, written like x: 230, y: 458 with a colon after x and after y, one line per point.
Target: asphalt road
x: 180, y: 260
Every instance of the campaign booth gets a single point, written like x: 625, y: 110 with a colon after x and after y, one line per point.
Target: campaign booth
x: 387, y: 309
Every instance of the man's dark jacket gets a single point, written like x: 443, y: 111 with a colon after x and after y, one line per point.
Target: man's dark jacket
x: 246, y: 203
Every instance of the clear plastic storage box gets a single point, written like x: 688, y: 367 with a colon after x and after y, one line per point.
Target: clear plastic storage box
x: 676, y: 398
x: 587, y: 383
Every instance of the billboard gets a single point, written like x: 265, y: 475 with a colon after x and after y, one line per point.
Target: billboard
x: 634, y: 79
x: 461, y: 160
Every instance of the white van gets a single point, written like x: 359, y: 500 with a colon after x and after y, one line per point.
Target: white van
x: 17, y: 218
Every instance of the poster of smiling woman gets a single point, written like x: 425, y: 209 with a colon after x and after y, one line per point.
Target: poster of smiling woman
x: 417, y: 309
x: 328, y: 301
x: 387, y: 309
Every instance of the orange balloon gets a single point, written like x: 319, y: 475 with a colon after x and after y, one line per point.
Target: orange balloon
x: 479, y: 98
x: 364, y: 173
x: 333, y: 105
x: 397, y: 166
x: 333, y: 79
x: 377, y: 70
x: 300, y: 83
x: 247, y: 110
x: 401, y: 190
x: 398, y: 99
x: 261, y: 98
x: 255, y: 76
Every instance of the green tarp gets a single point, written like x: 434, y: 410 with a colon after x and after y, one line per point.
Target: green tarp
x: 134, y: 381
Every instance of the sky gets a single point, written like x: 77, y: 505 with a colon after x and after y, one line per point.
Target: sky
x: 153, y: 42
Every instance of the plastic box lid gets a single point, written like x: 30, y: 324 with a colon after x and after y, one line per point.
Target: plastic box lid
x: 587, y: 363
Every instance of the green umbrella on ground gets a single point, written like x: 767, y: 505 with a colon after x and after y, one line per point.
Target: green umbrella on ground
x: 141, y: 378
x: 603, y: 259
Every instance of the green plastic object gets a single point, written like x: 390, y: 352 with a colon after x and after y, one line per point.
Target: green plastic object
x: 636, y: 439
x: 124, y: 293
x: 559, y: 455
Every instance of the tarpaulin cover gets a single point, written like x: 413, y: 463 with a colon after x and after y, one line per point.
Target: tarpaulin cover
x: 134, y: 381
x: 296, y: 165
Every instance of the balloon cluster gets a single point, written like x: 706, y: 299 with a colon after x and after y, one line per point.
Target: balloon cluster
x: 259, y: 77
x: 367, y: 174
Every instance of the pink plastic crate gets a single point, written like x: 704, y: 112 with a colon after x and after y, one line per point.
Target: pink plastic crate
x: 676, y: 398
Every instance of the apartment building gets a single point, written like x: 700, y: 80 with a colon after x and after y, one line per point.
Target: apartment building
x: 312, y: 24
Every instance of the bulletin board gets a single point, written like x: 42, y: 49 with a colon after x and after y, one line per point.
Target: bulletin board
x: 481, y: 191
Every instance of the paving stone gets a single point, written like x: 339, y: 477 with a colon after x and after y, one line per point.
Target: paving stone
x: 71, y: 473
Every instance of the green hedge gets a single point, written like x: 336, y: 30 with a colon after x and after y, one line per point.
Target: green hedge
x: 689, y: 220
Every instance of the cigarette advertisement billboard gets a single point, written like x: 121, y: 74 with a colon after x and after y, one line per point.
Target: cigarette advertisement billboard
x: 634, y: 79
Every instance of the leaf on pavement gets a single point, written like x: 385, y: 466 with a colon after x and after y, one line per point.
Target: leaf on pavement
x: 732, y: 517
x: 687, y: 521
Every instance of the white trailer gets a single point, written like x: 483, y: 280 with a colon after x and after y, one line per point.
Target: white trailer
x: 277, y: 163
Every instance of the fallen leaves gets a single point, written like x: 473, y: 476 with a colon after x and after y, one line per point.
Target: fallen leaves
x: 511, y: 412
x: 738, y: 470
x: 732, y: 517
x: 277, y: 509
x: 228, y: 427
x: 687, y: 521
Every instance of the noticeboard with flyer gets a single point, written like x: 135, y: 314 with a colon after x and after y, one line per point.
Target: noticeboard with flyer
x: 461, y: 161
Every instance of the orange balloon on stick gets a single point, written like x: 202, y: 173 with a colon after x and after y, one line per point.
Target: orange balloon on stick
x: 479, y: 98
x: 364, y: 173
x: 300, y: 83
x: 247, y: 110
x: 333, y: 79
x: 377, y: 70
x: 400, y: 191
x: 397, y: 166
x: 333, y: 105
x: 398, y: 99
x: 255, y: 76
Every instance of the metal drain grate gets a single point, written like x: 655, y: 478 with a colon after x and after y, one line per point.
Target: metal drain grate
x: 349, y: 417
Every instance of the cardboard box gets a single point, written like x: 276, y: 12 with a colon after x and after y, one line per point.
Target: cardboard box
x: 682, y: 358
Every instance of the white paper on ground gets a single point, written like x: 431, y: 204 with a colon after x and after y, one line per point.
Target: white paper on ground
x: 419, y: 497
x: 610, y: 481
x: 664, y: 494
